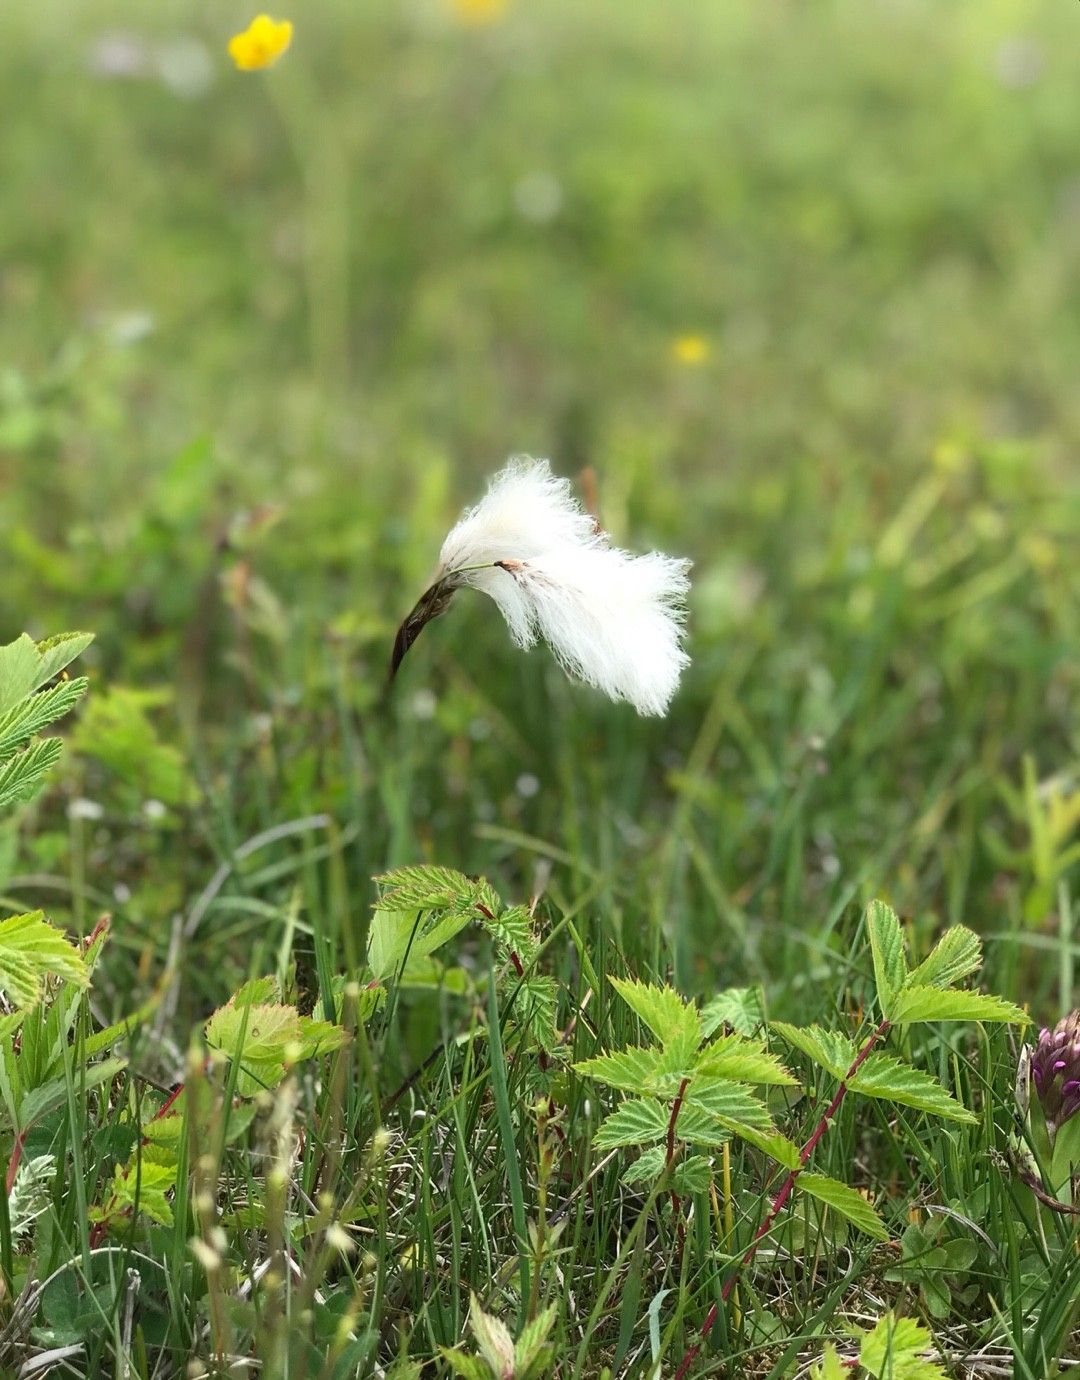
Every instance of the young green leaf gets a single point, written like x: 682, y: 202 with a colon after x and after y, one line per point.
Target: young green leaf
x: 742, y: 1008
x: 22, y: 776
x: 894, y: 1349
x: 531, y: 1346
x: 830, y: 1367
x: 847, y: 1201
x: 425, y: 888
x: 635, y: 1122
x: 827, y: 1048
x: 55, y: 653
x: 31, y: 715
x: 692, y: 1175
x: 628, y: 1070
x: 733, y: 1056
x: 785, y: 1152
x: 30, y: 950
x: 957, y: 954
x: 887, y: 949
x: 932, y: 1004
x: 493, y: 1338
x: 883, y: 1076
x: 732, y: 1101
x: 663, y: 1010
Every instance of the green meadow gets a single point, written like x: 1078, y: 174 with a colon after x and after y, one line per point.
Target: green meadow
x: 788, y: 289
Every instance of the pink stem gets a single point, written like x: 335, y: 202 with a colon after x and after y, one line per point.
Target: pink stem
x: 786, y: 1188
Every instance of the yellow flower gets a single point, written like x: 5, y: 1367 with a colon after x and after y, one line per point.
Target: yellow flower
x: 476, y: 13
x: 690, y: 349
x: 261, y: 43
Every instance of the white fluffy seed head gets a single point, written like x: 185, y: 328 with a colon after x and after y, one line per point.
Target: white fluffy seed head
x: 613, y: 619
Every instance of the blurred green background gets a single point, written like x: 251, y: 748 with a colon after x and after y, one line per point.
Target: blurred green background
x: 797, y: 281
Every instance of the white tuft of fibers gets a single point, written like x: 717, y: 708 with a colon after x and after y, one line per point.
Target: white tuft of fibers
x: 613, y: 619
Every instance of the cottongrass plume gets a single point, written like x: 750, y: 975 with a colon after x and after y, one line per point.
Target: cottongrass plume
x: 614, y: 620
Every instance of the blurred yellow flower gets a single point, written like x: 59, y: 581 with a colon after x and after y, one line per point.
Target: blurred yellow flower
x: 479, y: 12
x: 690, y: 349
x: 261, y: 43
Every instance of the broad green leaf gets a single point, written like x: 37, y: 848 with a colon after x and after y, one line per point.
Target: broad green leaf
x: 692, y: 1175
x: 629, y: 1070
x: 732, y: 1101
x: 883, y: 1076
x: 957, y: 953
x: 663, y: 1010
x: 827, y: 1048
x: 400, y: 938
x: 636, y: 1122
x: 23, y: 775
x: 20, y: 665
x: 742, y: 1008
x: 267, y: 1038
x: 46, y: 1098
x: 846, y: 1201
x: 932, y: 1004
x: 745, y: 1061
x: 887, y: 948
x: 893, y: 1351
x: 30, y: 950
x: 57, y: 652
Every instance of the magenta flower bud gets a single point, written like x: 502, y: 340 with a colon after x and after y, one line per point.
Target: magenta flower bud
x: 1055, y: 1071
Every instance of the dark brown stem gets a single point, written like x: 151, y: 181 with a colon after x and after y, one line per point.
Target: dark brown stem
x: 786, y: 1188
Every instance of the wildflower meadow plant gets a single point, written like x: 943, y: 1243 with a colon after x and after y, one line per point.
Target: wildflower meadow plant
x: 613, y: 620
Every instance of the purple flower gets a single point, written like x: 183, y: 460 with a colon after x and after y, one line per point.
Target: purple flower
x: 1055, y: 1070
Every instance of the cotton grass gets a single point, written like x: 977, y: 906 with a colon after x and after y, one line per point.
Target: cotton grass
x: 613, y: 620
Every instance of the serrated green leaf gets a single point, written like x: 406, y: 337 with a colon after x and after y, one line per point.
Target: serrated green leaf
x: 425, y: 888
x: 22, y: 776
x: 887, y: 949
x: 846, y: 1201
x: 20, y: 664
x: 742, y: 1008
x: 400, y: 939
x: 30, y: 950
x: 636, y: 1122
x: 692, y: 1175
x: 732, y: 1101
x: 663, y: 1010
x: 648, y: 1166
x: 36, y: 712
x: 957, y: 953
x: 698, y: 1127
x: 827, y: 1048
x: 48, y: 1096
x: 785, y: 1152
x: 143, y: 1185
x: 532, y: 1340
x: 744, y: 1061
x: 892, y: 1351
x: 932, y: 1004
x: 461, y: 1363
x: 628, y: 1070
x: 493, y: 1338
x: 883, y: 1076
x: 830, y: 1367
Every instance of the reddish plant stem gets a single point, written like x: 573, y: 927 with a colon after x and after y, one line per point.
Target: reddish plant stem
x: 676, y: 1205
x: 786, y: 1188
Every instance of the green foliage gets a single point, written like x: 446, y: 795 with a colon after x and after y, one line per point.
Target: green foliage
x: 501, y: 1358
x: 265, y: 1038
x: 937, y: 1264
x: 894, y: 1349
x: 29, y: 704
x: 117, y: 730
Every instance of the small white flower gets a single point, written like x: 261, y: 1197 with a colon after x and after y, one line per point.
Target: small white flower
x: 613, y: 619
